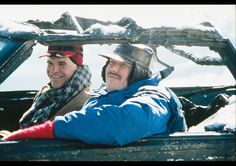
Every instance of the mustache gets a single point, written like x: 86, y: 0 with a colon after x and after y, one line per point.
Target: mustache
x: 114, y: 74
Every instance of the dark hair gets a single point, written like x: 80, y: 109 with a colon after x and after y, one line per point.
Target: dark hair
x: 137, y: 73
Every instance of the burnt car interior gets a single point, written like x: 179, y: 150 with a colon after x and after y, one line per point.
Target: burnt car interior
x: 198, y: 101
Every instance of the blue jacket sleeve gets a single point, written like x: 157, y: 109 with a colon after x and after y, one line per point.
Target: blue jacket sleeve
x: 115, y: 125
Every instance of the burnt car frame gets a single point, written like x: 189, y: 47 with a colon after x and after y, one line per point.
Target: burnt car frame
x: 197, y: 142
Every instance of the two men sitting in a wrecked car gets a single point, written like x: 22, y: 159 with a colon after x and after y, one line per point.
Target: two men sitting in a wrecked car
x: 132, y: 105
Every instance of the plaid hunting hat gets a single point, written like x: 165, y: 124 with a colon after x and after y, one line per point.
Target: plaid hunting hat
x: 75, y: 53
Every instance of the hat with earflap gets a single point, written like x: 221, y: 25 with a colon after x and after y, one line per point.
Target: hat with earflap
x: 139, y: 55
x: 75, y: 52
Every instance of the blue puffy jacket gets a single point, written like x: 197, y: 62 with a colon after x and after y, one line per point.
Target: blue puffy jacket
x: 124, y: 116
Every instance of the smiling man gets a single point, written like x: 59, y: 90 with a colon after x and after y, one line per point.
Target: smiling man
x: 132, y: 105
x: 60, y: 70
x: 117, y: 75
x: 69, y: 81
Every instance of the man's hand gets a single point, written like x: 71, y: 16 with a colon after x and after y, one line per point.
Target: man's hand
x: 4, y: 134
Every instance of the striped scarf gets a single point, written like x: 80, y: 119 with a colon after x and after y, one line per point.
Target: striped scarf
x: 50, y: 100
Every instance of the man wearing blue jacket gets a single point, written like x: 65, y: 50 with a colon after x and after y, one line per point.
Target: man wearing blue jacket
x: 131, y: 106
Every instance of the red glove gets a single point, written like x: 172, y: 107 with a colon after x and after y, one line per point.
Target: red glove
x: 41, y: 131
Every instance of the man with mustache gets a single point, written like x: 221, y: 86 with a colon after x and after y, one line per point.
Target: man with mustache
x: 131, y: 106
